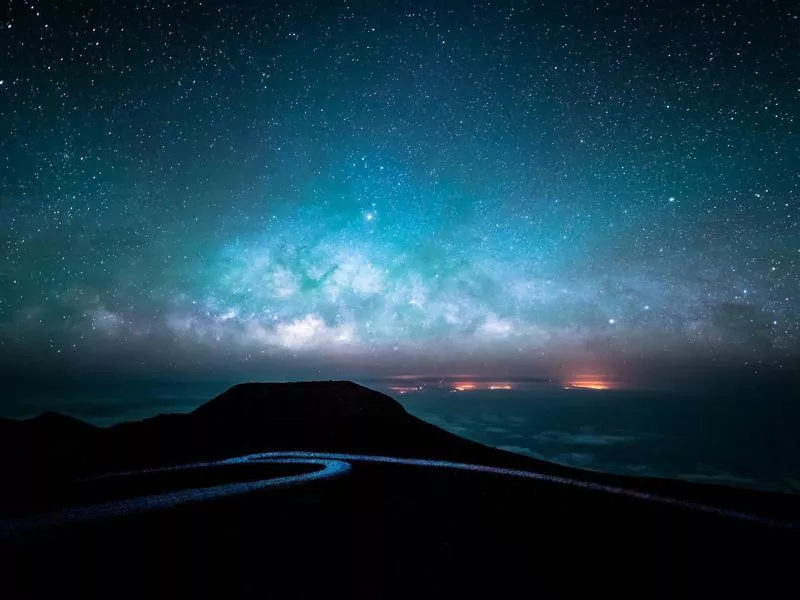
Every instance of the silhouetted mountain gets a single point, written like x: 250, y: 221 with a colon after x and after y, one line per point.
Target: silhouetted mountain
x: 42, y: 446
x: 309, y: 401
x: 325, y: 416
x: 380, y: 531
x: 49, y: 427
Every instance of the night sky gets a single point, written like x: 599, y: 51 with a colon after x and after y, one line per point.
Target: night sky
x: 339, y: 188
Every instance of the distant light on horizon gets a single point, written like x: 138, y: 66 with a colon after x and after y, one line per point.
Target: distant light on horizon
x: 464, y: 387
x: 591, y: 381
x: 405, y: 389
x: 469, y: 386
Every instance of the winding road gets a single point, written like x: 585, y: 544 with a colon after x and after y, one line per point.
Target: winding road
x: 329, y: 465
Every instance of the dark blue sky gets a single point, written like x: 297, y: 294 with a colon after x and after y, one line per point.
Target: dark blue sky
x: 308, y: 188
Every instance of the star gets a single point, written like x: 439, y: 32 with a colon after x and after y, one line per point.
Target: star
x: 211, y: 193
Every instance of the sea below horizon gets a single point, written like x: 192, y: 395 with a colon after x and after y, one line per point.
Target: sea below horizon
x: 742, y: 439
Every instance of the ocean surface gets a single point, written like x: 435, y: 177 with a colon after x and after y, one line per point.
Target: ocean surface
x: 699, y: 437
x: 741, y: 438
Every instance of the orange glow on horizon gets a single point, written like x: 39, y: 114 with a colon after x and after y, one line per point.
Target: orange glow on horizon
x: 590, y: 382
x: 468, y: 386
x: 403, y: 384
x: 464, y: 386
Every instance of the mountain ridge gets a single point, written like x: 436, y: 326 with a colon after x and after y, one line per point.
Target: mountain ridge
x: 323, y: 416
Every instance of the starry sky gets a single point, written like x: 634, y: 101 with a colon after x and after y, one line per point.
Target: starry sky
x: 348, y: 187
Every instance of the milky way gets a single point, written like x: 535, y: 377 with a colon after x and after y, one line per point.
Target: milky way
x: 398, y: 185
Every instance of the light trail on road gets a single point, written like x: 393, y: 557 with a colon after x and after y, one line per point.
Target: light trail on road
x: 333, y: 465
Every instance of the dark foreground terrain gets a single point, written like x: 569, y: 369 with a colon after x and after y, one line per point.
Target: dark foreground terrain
x: 370, y: 529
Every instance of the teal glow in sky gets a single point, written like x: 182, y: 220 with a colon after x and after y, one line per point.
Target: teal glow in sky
x: 398, y: 186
